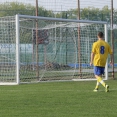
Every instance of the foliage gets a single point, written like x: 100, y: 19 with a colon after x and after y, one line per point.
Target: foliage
x: 13, y: 8
x: 90, y: 13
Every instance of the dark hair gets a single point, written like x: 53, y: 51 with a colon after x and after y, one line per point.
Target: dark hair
x: 100, y: 35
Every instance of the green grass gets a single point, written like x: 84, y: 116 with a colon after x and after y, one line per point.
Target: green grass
x: 58, y: 99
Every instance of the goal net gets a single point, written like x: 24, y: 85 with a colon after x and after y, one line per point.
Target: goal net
x: 7, y: 50
x: 47, y: 49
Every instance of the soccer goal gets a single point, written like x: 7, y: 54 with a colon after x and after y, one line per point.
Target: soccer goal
x: 36, y: 49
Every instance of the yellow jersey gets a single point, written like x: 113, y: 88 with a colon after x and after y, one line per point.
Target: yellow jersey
x: 101, y: 49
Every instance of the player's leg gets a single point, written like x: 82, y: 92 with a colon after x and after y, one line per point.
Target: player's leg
x: 98, y: 71
x: 100, y: 80
x: 97, y: 84
x: 96, y: 87
x: 103, y: 83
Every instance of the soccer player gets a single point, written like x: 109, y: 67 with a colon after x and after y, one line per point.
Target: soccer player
x: 99, y: 54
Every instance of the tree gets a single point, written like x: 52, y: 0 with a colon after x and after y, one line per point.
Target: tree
x: 13, y: 8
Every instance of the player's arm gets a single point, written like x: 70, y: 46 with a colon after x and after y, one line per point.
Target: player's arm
x: 92, y: 54
x: 111, y: 60
x: 92, y: 57
x: 111, y: 55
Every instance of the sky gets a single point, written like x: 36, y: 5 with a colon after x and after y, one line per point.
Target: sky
x: 58, y: 5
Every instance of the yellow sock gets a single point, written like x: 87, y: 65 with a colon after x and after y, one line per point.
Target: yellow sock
x: 99, y: 79
x: 97, y: 85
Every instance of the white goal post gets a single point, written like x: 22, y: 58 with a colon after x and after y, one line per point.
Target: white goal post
x: 50, y: 49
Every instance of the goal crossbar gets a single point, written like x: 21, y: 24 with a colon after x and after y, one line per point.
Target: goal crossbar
x: 60, y: 19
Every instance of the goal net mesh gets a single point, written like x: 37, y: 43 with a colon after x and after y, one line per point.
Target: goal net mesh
x: 49, y: 50
x: 63, y: 49
x: 7, y: 50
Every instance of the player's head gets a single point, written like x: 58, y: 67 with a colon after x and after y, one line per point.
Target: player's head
x: 100, y: 35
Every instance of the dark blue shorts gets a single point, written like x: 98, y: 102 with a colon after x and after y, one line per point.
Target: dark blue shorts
x: 99, y: 70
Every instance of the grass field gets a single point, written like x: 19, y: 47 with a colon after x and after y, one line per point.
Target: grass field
x: 58, y: 99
